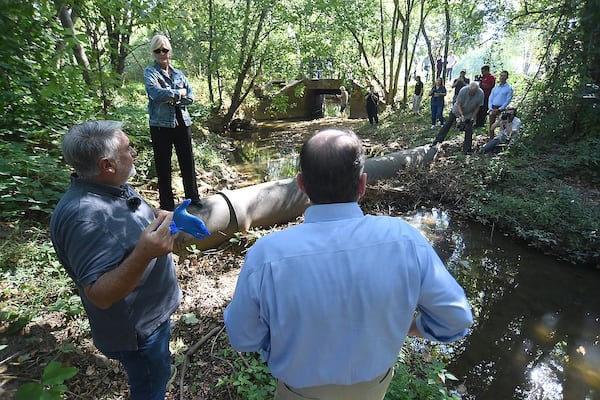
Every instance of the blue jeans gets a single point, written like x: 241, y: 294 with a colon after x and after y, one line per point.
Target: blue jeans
x: 148, y: 368
x: 436, y: 113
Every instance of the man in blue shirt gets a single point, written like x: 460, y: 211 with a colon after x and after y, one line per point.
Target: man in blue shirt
x: 118, y: 253
x: 500, y: 98
x: 330, y: 302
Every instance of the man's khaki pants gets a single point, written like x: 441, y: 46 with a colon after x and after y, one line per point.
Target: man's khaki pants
x: 372, y: 390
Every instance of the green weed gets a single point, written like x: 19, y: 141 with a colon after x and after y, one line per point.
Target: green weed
x: 250, y: 377
x: 419, y: 376
x: 32, y: 280
x: 51, y: 386
x: 416, y: 376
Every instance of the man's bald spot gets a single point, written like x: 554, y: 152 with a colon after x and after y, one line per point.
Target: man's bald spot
x: 331, y: 138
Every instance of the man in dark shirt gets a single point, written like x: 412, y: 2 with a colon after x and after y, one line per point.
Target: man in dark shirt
x: 418, y: 96
x: 459, y: 83
x: 118, y: 253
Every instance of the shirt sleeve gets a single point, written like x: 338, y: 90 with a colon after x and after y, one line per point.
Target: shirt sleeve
x: 189, y: 97
x: 157, y: 88
x: 516, y: 125
x: 509, y: 96
x: 246, y: 329
x: 491, y: 98
x: 444, y: 311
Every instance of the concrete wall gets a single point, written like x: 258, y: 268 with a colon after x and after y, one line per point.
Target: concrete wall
x: 304, y: 98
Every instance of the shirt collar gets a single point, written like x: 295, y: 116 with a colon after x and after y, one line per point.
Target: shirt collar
x: 332, y: 212
x: 123, y: 191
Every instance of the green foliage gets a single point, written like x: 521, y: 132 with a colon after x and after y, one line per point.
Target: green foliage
x: 43, y: 95
x: 250, y: 377
x: 51, y: 386
x: 31, y: 270
x: 71, y: 306
x: 558, y: 113
x: 419, y: 376
x: 542, y: 198
x: 14, y: 321
x: 190, y: 319
x: 279, y: 104
x: 34, y: 74
x: 32, y: 180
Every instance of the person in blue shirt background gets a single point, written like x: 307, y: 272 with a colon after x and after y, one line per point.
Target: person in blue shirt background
x: 500, y: 98
x: 330, y: 302
x: 169, y: 94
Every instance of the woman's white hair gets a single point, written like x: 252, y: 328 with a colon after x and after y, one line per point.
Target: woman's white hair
x: 159, y: 41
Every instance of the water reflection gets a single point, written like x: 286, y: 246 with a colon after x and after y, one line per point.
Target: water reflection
x: 259, y: 158
x: 537, y: 329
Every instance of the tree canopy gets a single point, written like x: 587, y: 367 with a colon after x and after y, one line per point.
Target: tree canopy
x: 64, y: 62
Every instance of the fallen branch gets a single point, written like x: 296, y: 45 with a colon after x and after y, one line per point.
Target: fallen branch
x: 191, y: 352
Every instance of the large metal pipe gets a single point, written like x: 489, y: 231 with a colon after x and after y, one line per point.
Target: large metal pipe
x: 281, y: 201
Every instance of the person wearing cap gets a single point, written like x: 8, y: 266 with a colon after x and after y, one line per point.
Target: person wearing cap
x: 459, y: 83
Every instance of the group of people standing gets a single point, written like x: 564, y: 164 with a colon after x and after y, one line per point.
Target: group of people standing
x: 368, y: 276
x: 472, y: 102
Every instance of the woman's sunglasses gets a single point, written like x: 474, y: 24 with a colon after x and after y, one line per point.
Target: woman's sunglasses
x: 164, y: 51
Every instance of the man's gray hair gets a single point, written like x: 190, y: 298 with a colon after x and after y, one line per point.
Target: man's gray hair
x: 85, y: 144
x: 473, y: 85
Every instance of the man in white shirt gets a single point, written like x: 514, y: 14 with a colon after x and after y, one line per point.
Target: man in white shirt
x: 451, y: 62
x: 509, y: 125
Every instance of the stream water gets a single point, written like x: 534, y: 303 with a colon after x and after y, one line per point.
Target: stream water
x: 537, y: 321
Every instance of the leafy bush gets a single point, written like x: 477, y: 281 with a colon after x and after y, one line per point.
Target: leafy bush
x: 251, y: 377
x: 280, y: 103
x: 32, y: 179
x: 51, y: 386
x: 419, y: 376
x: 542, y: 194
x: 30, y: 268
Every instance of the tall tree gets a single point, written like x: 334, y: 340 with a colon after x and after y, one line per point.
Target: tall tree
x: 107, y: 26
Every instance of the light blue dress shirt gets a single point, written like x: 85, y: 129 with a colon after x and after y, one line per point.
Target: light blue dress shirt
x: 501, y: 96
x: 331, y: 300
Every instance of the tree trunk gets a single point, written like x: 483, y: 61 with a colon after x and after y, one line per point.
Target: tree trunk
x: 281, y: 201
x: 64, y: 15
